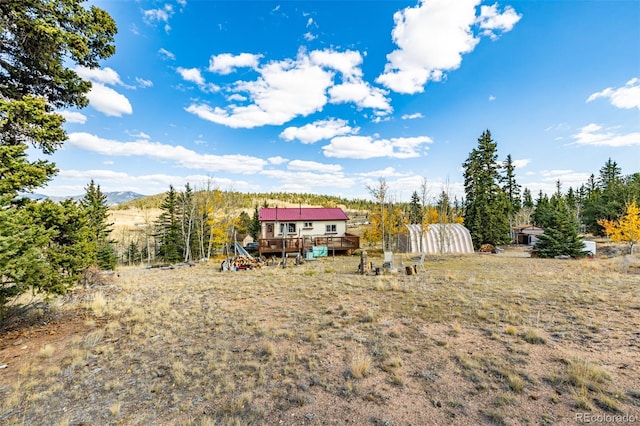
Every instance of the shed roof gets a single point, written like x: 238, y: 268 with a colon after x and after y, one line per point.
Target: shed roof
x: 301, y: 213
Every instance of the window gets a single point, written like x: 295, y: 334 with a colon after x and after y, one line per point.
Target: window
x: 332, y: 229
x: 289, y: 228
x: 308, y: 225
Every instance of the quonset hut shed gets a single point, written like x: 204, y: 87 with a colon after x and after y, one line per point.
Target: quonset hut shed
x: 440, y: 238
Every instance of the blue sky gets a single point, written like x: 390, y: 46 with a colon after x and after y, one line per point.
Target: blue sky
x: 328, y: 96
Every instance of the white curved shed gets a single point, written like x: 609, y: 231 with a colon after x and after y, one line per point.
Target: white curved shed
x: 440, y: 238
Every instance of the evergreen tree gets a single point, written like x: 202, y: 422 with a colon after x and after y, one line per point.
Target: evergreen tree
x: 22, y: 240
x: 254, y: 226
x: 416, y: 213
x: 560, y: 236
x: 543, y: 212
x: 70, y: 240
x: 446, y: 213
x: 133, y: 253
x: 95, y: 205
x: 606, y: 198
x: 510, y: 186
x: 527, y: 199
x: 41, y: 41
x: 169, y: 228
x: 486, y: 204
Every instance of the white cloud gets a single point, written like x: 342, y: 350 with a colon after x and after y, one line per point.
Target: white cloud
x: 347, y: 63
x: 108, y: 101
x: 109, y: 180
x: 353, y: 88
x: 166, y: 54
x: 226, y: 63
x: 144, y: 83
x: 103, y: 98
x: 306, y: 181
x: 518, y: 164
x: 285, y: 89
x: 431, y: 39
x: 386, y: 172
x: 362, y: 94
x: 492, y: 21
x: 73, y: 116
x: 159, y: 16
x: 594, y: 134
x: 242, y: 164
x: 99, y: 75
x: 236, y: 97
x: 139, y: 135
x: 313, y: 166
x: 193, y: 75
x: 626, y: 97
x: 290, y: 88
x: 412, y: 116
x: 547, y: 180
x: 492, y: 98
x: 277, y: 160
x: 318, y: 130
x: 309, y: 36
x: 364, y: 147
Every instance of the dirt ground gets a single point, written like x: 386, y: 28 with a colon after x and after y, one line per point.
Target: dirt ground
x: 477, y: 339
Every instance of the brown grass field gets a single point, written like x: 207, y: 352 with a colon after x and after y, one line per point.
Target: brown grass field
x: 477, y: 339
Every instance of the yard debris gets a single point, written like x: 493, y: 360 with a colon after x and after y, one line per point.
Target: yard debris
x: 241, y: 262
x: 487, y: 248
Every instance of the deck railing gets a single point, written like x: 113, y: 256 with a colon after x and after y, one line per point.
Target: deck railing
x: 302, y: 244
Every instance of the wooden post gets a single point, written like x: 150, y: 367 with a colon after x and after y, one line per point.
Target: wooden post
x: 365, y: 266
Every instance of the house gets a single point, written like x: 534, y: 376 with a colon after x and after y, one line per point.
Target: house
x: 526, y: 234
x: 289, y: 230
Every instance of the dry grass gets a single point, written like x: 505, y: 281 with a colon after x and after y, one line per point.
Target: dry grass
x: 477, y: 339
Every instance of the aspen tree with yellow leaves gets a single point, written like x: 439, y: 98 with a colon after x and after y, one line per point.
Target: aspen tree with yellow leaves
x: 626, y: 229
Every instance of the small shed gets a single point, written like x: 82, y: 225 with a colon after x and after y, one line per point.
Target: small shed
x: 526, y: 234
x: 247, y: 239
x: 439, y: 238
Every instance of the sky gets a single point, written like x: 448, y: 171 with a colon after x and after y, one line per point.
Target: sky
x: 328, y: 97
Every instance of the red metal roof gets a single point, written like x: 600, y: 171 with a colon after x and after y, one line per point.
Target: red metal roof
x: 304, y: 213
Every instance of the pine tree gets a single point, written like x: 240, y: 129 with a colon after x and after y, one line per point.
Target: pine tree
x: 95, y: 205
x: 606, y: 199
x: 22, y: 240
x: 70, y: 240
x: 486, y: 204
x: 543, y: 212
x: 510, y: 186
x: 560, y: 236
x: 41, y: 41
x: 254, y: 226
x: 527, y: 199
x: 416, y: 212
x: 169, y: 228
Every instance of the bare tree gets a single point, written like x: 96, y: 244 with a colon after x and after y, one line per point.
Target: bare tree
x: 379, y: 194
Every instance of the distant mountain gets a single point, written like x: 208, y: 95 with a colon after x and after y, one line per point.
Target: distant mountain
x: 113, y: 198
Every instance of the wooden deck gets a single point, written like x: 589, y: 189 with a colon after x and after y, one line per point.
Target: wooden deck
x: 346, y: 243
